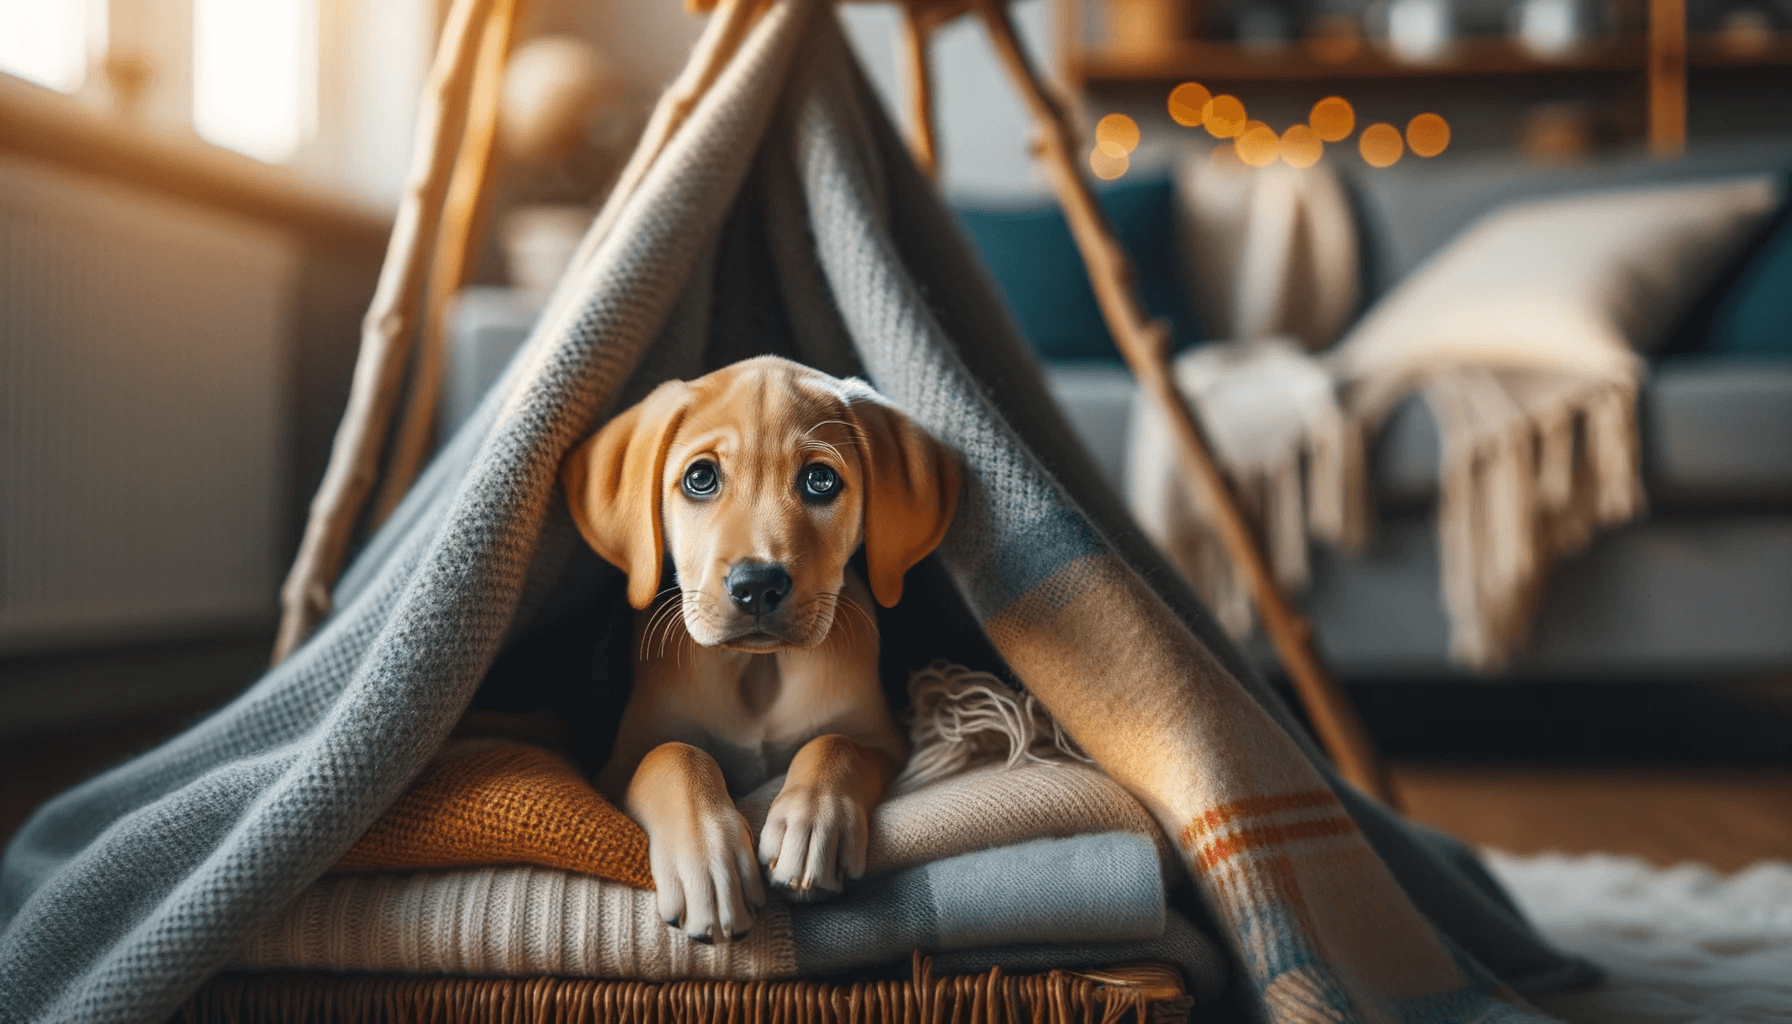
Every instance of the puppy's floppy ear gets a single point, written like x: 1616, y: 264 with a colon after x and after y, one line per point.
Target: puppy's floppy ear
x: 911, y: 491
x: 613, y: 483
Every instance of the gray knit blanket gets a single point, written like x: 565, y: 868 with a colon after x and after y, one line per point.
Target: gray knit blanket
x: 122, y: 896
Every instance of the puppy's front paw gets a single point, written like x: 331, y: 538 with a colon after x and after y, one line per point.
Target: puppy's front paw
x: 709, y: 886
x: 812, y: 842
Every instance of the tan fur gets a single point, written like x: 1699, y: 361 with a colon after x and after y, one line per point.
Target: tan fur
x: 725, y: 699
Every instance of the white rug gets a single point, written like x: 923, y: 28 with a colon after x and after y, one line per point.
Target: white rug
x: 1682, y: 945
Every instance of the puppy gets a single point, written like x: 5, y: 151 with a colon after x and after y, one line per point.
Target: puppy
x: 758, y: 482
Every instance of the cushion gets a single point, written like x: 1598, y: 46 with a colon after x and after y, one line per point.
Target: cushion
x: 1754, y: 313
x: 1566, y: 284
x: 1030, y: 253
x: 1267, y: 251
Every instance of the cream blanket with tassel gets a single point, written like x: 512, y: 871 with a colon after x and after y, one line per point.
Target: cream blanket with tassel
x: 1521, y: 337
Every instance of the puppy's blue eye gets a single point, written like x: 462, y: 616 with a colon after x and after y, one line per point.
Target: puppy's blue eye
x: 819, y: 482
x: 701, y: 479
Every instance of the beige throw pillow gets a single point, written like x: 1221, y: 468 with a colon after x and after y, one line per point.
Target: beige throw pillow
x: 1570, y: 284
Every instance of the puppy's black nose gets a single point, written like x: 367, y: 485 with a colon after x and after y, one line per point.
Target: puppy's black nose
x: 758, y: 587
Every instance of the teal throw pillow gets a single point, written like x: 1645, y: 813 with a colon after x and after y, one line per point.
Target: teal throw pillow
x: 1754, y: 314
x: 1036, y: 264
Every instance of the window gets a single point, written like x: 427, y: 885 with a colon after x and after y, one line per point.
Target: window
x: 46, y: 41
x: 255, y: 75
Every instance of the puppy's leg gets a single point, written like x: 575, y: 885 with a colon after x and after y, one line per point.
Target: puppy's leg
x: 697, y: 843
x: 815, y: 833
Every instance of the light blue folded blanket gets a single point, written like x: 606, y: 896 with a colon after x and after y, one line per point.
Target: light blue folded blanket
x: 1094, y: 888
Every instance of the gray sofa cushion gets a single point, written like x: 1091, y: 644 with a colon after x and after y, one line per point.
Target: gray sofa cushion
x: 1686, y: 597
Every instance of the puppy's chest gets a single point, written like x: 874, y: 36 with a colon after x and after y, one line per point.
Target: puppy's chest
x: 752, y: 713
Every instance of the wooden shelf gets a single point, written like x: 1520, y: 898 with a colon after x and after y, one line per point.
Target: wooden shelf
x: 1212, y: 61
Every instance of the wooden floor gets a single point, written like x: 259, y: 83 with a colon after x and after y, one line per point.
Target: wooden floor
x: 1727, y: 818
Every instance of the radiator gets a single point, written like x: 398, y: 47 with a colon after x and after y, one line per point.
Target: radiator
x: 143, y: 448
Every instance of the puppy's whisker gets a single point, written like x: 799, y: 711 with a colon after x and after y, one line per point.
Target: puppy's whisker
x: 858, y: 612
x: 668, y: 623
x: 679, y: 626
x: 666, y: 611
x: 667, y: 627
x: 823, y: 447
x: 857, y: 432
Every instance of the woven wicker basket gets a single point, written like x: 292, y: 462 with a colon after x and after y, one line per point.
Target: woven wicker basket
x: 1134, y: 994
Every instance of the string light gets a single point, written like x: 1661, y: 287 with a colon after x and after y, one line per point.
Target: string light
x: 1118, y: 130
x: 1332, y: 119
x: 1301, y: 146
x: 1380, y: 145
x: 1223, y: 116
x: 1186, y: 102
x: 1108, y: 161
x: 1427, y: 135
x: 1258, y: 145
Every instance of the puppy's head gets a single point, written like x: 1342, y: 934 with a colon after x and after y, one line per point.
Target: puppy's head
x: 760, y: 480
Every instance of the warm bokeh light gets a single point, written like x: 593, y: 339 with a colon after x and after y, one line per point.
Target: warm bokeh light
x: 1380, y: 145
x: 1186, y: 101
x: 1258, y: 145
x: 1223, y: 116
x: 1108, y: 161
x: 252, y: 89
x: 1427, y: 135
x: 1301, y: 146
x: 1120, y: 130
x: 1332, y: 119
x: 45, y: 42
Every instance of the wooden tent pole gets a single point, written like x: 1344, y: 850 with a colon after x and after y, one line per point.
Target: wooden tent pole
x: 462, y: 210
x: 923, y: 136
x: 1145, y: 346
x: 385, y: 337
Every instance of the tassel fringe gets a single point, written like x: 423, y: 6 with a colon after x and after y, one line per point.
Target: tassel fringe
x: 959, y: 718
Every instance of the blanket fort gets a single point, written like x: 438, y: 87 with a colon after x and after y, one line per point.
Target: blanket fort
x: 120, y: 897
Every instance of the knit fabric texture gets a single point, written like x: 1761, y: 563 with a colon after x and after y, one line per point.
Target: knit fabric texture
x: 1102, y: 892
x: 119, y: 897
x: 495, y: 802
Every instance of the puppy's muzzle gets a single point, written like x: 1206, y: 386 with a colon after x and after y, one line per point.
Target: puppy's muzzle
x: 757, y: 588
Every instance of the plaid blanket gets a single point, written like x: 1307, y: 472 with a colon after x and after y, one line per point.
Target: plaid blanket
x: 121, y: 896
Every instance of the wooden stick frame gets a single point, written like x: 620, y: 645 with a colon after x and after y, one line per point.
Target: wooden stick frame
x: 385, y: 336
x: 1143, y: 343
x: 469, y: 190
